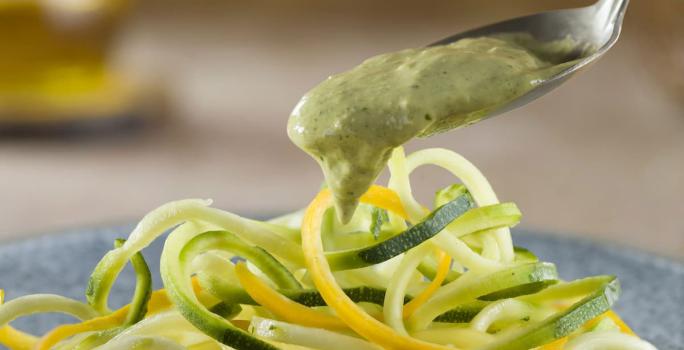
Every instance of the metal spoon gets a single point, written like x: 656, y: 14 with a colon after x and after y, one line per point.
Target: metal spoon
x: 596, y: 26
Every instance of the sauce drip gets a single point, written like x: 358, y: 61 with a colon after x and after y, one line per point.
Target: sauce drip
x: 351, y: 122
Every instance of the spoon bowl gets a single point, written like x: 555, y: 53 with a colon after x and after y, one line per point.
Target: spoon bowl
x: 594, y: 28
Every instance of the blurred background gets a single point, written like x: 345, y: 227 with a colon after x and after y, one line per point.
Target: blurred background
x: 109, y: 108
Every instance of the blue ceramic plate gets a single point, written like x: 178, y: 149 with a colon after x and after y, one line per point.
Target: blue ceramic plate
x: 652, y: 301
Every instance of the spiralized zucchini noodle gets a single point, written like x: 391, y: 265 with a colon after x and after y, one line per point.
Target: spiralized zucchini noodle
x: 398, y: 276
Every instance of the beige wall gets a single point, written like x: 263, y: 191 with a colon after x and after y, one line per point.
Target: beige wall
x: 602, y: 156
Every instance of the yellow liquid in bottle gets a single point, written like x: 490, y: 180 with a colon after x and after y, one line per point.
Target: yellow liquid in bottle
x: 53, y: 53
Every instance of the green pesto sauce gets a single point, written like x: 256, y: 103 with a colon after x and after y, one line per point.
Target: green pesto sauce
x: 351, y: 122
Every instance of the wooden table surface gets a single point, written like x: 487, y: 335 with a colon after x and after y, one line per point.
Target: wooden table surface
x: 603, y: 156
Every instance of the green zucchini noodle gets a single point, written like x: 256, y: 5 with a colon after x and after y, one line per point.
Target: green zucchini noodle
x: 416, y: 276
x: 510, y: 309
x: 42, y: 303
x: 459, y: 336
x: 396, y: 290
x: 306, y: 336
x: 608, y: 340
x: 472, y: 178
x: 142, y: 343
x: 170, y: 325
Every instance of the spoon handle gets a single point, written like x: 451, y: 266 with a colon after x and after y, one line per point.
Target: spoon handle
x: 610, y: 12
